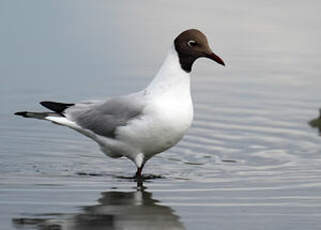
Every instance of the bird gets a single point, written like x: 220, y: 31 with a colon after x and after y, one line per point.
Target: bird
x: 145, y: 123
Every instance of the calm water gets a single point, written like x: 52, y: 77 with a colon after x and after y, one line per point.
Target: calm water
x: 250, y: 160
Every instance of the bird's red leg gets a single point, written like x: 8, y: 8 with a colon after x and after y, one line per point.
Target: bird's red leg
x: 139, y: 172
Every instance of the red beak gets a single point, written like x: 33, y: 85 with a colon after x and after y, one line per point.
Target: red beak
x: 216, y: 58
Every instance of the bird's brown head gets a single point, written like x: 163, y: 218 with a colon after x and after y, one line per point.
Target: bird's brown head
x: 191, y: 45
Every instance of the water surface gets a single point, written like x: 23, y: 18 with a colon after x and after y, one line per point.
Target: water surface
x: 249, y: 161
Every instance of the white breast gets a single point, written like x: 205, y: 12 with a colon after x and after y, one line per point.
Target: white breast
x: 168, y: 112
x: 163, y: 124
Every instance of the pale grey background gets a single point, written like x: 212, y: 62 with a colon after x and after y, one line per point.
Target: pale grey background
x: 253, y: 112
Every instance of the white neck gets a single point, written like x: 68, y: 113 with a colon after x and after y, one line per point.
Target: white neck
x: 170, y: 77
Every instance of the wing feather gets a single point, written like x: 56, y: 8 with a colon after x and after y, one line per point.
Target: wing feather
x: 103, y: 118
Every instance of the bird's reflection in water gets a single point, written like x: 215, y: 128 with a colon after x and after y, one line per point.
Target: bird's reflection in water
x: 115, y: 211
x: 316, y: 122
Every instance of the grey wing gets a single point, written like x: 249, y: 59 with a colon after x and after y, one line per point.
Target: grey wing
x: 103, y: 118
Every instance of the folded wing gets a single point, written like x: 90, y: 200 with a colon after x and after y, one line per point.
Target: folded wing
x: 103, y: 118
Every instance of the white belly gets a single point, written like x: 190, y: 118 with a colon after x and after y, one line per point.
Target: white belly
x: 162, y: 125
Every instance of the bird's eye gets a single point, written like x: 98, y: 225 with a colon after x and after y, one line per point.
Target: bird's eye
x: 191, y: 43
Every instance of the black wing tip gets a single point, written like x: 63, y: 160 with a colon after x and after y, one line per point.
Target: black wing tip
x: 43, y: 102
x: 56, y: 106
x: 22, y: 113
x: 47, y: 103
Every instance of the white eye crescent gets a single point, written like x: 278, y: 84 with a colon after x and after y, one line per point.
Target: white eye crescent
x: 191, y: 43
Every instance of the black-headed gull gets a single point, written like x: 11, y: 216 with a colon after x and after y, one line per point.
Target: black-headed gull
x: 144, y: 123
